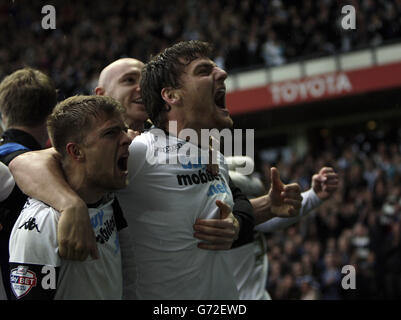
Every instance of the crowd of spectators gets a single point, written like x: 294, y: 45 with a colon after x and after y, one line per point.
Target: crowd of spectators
x: 360, y: 226
x: 89, y: 35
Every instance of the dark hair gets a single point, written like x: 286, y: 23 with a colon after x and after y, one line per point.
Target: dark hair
x: 72, y: 118
x: 27, y: 97
x: 164, y: 70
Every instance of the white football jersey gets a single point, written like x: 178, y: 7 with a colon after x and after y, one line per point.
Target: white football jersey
x: 37, y: 271
x: 161, y: 204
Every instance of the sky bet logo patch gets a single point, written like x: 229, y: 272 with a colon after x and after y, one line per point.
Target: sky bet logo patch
x: 22, y: 281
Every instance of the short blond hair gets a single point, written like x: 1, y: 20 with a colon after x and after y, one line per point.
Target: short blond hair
x: 72, y: 118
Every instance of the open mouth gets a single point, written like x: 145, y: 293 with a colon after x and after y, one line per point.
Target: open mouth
x: 122, y: 163
x: 220, y: 98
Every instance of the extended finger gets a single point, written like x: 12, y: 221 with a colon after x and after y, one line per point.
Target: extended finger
x: 225, y: 209
x: 275, y: 179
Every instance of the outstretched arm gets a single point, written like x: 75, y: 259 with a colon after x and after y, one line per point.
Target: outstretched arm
x: 281, y: 201
x: 324, y: 185
x: 39, y: 175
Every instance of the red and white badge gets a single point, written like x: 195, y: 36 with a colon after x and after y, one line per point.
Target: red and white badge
x: 22, y: 281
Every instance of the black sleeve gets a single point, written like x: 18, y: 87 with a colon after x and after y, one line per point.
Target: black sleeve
x: 9, y: 157
x: 33, y: 281
x: 121, y: 223
x: 13, y: 204
x: 10, y: 209
x: 243, y: 211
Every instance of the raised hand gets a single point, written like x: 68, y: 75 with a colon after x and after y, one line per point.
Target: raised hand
x: 286, y: 200
x: 325, y: 183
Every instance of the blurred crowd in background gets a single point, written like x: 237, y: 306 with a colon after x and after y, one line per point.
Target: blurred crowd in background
x: 360, y: 225
x: 89, y: 35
